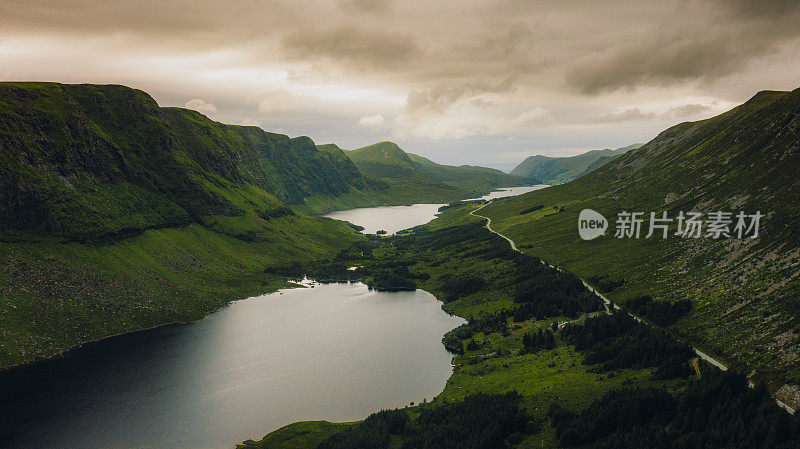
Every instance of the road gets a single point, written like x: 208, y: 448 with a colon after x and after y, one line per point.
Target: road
x: 610, y: 304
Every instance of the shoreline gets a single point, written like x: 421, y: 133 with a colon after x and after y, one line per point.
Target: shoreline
x: 81, y: 346
x: 444, y: 202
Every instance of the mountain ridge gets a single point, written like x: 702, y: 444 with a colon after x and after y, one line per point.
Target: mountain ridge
x: 556, y: 170
x: 387, y: 161
x: 744, y: 291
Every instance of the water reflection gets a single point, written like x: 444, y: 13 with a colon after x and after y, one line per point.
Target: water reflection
x: 336, y: 352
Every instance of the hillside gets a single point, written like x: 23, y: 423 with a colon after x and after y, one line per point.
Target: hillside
x: 89, y: 162
x: 117, y: 214
x: 383, y: 160
x: 744, y: 291
x: 557, y: 170
x: 388, y: 163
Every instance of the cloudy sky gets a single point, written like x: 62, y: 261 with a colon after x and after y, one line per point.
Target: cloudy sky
x: 480, y: 82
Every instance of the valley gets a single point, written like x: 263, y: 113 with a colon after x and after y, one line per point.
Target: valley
x: 117, y: 214
x: 370, y: 224
x: 163, y: 216
x: 742, y: 291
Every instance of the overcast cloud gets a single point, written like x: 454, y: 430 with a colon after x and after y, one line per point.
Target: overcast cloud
x: 473, y: 81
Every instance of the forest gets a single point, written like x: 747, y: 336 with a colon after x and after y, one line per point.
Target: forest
x: 619, y: 341
x: 718, y: 411
x: 662, y: 313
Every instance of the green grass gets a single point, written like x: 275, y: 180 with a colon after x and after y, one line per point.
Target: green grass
x: 746, y: 309
x: 60, y: 294
x: 296, y: 436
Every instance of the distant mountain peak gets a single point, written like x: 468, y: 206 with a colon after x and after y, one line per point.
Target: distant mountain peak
x: 557, y: 170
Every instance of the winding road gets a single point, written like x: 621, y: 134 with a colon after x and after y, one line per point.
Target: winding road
x: 610, y: 304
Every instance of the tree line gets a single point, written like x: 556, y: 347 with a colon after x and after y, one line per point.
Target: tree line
x: 604, y: 284
x: 543, y: 339
x: 662, y: 313
x: 718, y: 411
x: 480, y: 421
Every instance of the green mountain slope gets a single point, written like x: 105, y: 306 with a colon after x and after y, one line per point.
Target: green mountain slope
x: 744, y: 292
x: 117, y: 215
x: 86, y: 161
x: 408, y: 172
x: 557, y: 170
x: 383, y: 160
x: 603, y: 160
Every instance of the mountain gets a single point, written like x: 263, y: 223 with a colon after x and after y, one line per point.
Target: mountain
x: 746, y: 307
x: 117, y: 214
x: 603, y: 160
x: 85, y: 161
x: 389, y: 163
x: 383, y: 160
x: 557, y: 170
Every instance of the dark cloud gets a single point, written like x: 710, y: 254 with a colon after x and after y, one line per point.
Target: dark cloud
x: 661, y: 63
x: 170, y: 24
x: 714, y: 44
x: 436, y: 70
x: 760, y: 8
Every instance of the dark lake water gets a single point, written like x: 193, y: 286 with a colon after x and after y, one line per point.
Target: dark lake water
x: 335, y: 352
x: 396, y: 218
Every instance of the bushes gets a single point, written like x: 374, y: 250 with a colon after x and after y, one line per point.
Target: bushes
x: 616, y: 411
x: 452, y: 343
x: 605, y: 284
x: 531, y: 209
x: 480, y: 421
x: 488, y: 323
x: 536, y: 341
x: 373, y: 432
x: 662, y: 313
x: 390, y: 280
x: 544, y: 291
x: 619, y: 341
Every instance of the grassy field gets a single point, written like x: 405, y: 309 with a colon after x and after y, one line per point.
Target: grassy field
x: 58, y: 294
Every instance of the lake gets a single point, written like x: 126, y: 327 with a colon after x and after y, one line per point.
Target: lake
x: 511, y: 191
x: 334, y: 352
x: 396, y: 218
